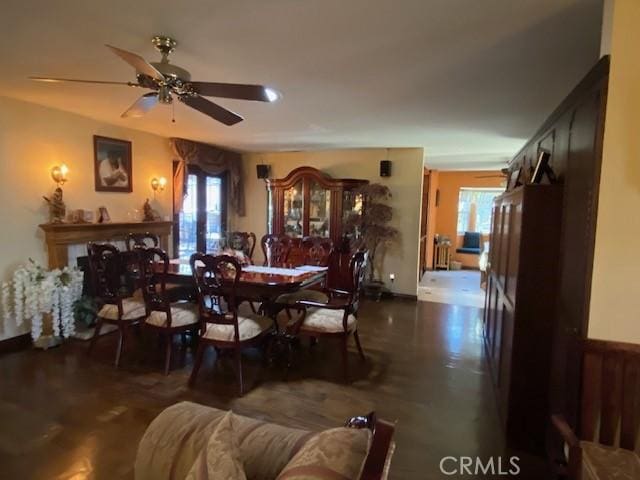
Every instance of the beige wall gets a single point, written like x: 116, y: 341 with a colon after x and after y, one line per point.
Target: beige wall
x: 615, y: 291
x: 405, y: 184
x: 35, y: 138
x: 449, y: 184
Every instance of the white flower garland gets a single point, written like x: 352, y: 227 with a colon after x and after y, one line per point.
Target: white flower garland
x: 38, y: 292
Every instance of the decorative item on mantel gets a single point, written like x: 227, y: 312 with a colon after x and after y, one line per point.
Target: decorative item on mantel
x: 375, y: 232
x: 148, y: 213
x: 103, y: 215
x: 57, y: 208
x: 46, y: 298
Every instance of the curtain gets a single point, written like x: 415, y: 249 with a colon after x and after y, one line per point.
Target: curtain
x: 211, y: 160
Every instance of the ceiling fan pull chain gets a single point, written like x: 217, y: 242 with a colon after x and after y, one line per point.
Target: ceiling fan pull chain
x: 173, y: 112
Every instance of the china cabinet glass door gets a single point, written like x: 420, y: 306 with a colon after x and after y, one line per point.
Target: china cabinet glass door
x: 351, y: 209
x: 293, y: 210
x: 319, y: 210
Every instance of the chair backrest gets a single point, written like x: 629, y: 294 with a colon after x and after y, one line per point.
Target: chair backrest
x: 106, y: 267
x: 216, y: 278
x: 357, y: 269
x: 276, y: 249
x: 243, y: 241
x: 154, y: 267
x: 146, y: 239
x: 610, y: 410
x: 317, y: 251
x: 471, y: 240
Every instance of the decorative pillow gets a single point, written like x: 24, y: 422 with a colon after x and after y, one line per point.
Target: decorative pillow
x: 220, y: 459
x: 335, y: 453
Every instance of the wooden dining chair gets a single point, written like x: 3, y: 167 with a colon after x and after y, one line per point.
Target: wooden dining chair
x: 276, y: 250
x: 222, y: 325
x: 242, y: 241
x: 337, y: 317
x: 146, y: 239
x: 163, y: 316
x: 317, y: 251
x: 118, y: 306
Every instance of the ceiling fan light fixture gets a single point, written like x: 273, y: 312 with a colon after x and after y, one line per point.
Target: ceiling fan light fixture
x: 271, y: 94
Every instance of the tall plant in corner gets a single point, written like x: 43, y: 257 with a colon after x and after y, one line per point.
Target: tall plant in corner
x: 373, y: 226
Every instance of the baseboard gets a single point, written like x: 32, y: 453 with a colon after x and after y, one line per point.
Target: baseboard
x: 15, y: 344
x: 405, y: 296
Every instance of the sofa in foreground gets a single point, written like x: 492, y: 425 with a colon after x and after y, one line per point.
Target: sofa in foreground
x: 196, y: 442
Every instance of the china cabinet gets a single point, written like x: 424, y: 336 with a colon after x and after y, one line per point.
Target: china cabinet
x: 308, y: 202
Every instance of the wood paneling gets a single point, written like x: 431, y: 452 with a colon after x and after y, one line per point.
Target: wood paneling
x: 573, y: 134
x: 520, y: 317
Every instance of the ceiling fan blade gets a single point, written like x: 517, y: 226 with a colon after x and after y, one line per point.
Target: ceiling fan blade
x: 103, y: 82
x: 141, y: 106
x: 215, y: 111
x: 137, y: 62
x: 233, y: 90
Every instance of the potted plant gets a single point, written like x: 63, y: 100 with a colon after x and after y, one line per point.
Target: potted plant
x: 373, y: 229
x: 44, y: 297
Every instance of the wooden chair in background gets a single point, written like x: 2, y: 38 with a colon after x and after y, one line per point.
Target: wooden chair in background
x: 222, y: 325
x: 118, y: 307
x: 163, y: 316
x: 243, y: 241
x: 608, y: 442
x: 276, y: 250
x: 336, y: 318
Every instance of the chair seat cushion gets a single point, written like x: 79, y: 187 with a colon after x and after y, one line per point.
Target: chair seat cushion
x: 331, y: 454
x: 220, y: 459
x: 327, y: 321
x: 249, y: 326
x: 301, y: 295
x: 474, y: 251
x: 182, y: 314
x: 132, y: 309
x: 600, y: 462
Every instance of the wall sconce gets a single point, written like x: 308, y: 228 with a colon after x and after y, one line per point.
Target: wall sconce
x: 59, y: 174
x: 158, y: 184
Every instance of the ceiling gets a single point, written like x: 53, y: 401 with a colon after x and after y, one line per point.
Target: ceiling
x: 467, y: 80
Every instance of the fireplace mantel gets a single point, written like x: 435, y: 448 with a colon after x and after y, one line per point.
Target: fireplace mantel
x: 58, y: 236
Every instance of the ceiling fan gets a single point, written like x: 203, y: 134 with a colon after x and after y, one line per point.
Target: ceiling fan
x: 168, y: 80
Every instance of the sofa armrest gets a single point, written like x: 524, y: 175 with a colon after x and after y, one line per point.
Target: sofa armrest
x: 376, y: 465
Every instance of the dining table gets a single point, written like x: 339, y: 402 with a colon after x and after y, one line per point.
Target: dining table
x: 263, y: 284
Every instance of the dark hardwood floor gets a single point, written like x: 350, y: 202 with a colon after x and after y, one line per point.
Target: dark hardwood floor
x: 66, y: 416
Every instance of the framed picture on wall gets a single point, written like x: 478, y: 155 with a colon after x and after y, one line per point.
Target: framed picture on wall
x: 112, y: 165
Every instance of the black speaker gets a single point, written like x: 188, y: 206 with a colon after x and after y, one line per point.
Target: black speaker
x: 262, y: 171
x: 385, y: 168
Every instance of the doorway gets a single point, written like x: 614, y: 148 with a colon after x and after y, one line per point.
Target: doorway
x: 202, y: 222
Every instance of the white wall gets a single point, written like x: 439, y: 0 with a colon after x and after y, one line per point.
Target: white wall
x: 35, y: 138
x: 615, y: 292
x: 405, y: 184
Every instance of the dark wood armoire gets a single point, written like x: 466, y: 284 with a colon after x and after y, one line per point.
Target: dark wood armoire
x: 520, y: 308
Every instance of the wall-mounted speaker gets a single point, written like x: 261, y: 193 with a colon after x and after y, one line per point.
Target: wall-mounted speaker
x: 385, y: 168
x: 262, y: 171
